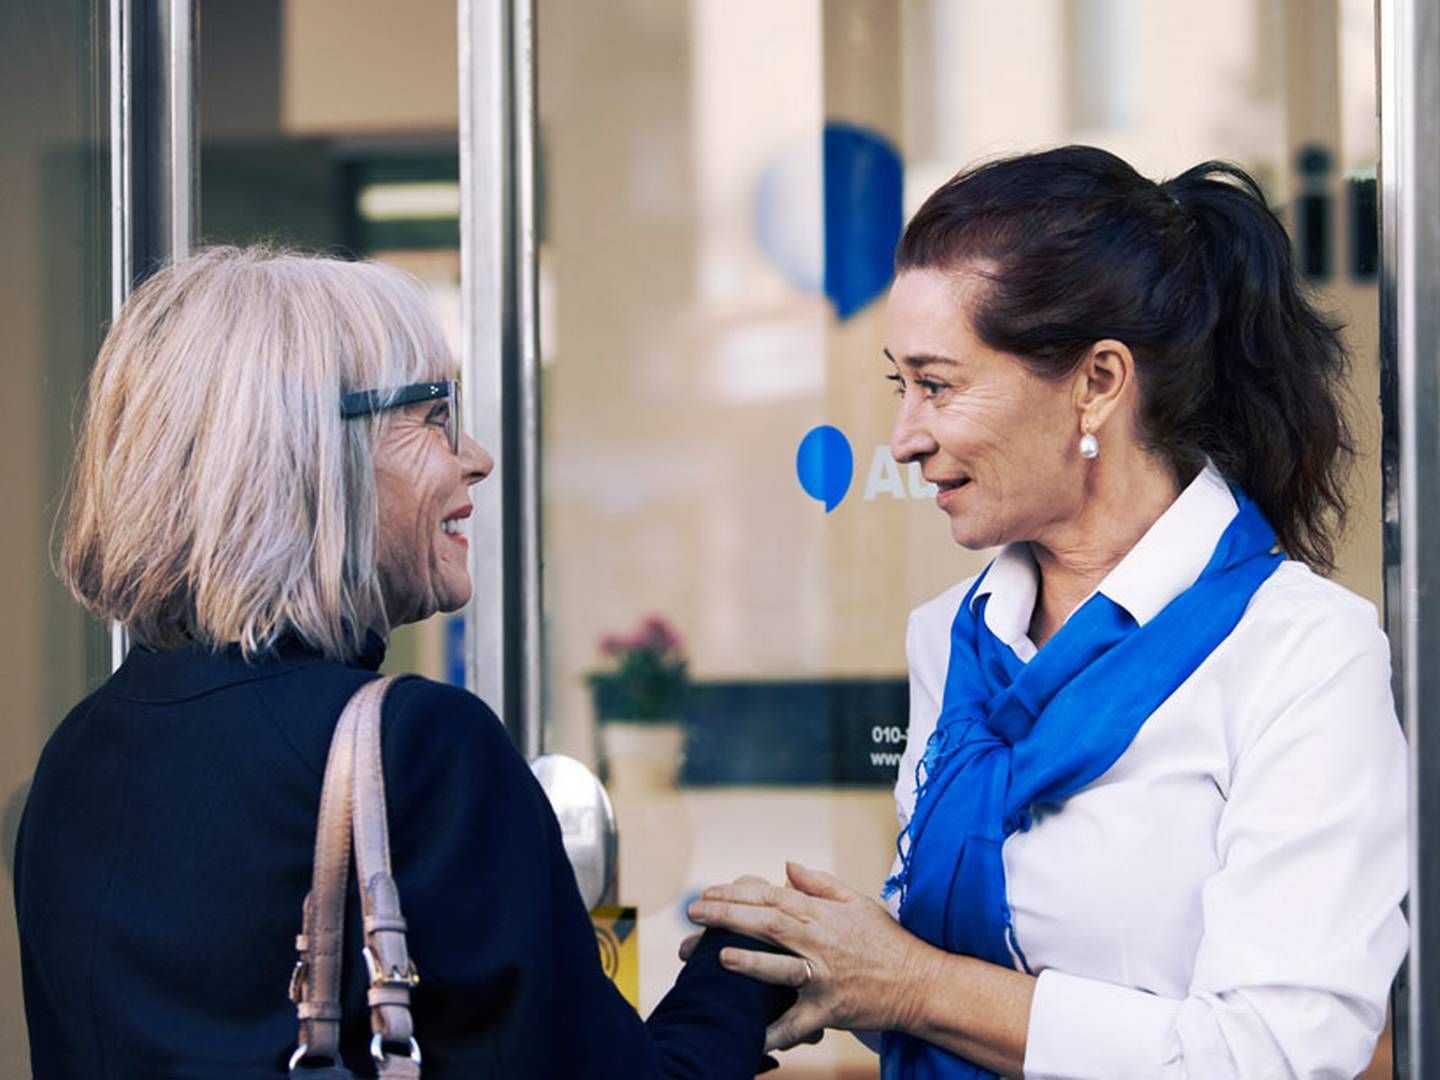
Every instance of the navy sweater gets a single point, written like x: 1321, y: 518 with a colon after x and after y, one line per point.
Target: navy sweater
x: 166, y: 848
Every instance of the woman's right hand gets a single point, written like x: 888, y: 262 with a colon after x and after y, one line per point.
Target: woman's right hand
x: 852, y: 964
x: 854, y: 967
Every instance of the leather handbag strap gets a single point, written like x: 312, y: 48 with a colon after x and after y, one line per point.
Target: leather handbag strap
x: 387, y: 957
x: 352, y: 800
x: 315, y: 982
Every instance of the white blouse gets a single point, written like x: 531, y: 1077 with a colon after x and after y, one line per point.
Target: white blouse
x: 1224, y: 901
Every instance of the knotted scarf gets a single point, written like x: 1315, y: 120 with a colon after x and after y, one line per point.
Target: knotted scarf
x: 1012, y: 735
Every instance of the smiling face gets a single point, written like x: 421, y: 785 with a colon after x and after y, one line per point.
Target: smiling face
x: 1000, y: 441
x: 422, y: 490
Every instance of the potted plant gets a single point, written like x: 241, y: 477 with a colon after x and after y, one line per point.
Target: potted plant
x: 638, y: 701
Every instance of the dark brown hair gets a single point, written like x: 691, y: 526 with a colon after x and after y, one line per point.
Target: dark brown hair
x: 1195, y: 275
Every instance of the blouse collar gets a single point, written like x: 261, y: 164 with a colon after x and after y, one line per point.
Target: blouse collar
x: 1164, y: 562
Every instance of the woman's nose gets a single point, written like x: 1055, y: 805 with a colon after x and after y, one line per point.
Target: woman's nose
x: 475, y: 460
x: 910, y: 440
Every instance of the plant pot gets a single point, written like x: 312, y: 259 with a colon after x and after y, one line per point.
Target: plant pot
x: 642, y: 755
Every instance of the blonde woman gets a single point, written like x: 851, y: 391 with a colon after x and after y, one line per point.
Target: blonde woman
x: 271, y: 476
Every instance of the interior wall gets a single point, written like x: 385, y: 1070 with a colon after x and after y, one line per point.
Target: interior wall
x: 1329, y: 81
x: 369, y: 66
x: 240, y: 58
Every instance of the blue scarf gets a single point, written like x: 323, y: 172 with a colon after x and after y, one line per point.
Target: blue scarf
x: 1011, y: 735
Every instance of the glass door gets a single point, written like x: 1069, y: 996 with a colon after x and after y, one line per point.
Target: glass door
x: 720, y: 186
x: 55, y: 296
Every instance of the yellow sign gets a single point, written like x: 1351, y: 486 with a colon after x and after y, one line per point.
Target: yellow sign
x: 618, y: 937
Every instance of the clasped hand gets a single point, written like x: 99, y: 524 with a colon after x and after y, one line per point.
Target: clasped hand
x: 852, y: 964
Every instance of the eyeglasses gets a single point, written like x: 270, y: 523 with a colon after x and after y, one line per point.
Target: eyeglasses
x: 365, y: 402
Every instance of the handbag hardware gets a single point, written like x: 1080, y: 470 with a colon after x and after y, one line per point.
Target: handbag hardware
x: 377, y: 1051
x: 297, y: 981
x: 410, y: 977
x: 352, y: 805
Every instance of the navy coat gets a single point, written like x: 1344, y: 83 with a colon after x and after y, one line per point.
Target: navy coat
x: 166, y: 848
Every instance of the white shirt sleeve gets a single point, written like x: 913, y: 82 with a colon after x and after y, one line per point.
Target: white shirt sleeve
x: 1302, y: 931
x: 924, y: 712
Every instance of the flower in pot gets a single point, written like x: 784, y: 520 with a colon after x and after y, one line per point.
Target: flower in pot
x: 639, y: 701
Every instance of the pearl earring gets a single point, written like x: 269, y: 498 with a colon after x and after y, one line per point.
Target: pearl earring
x: 1089, y: 446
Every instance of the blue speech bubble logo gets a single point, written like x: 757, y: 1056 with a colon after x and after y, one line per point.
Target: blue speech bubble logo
x: 825, y: 465
x: 829, y: 212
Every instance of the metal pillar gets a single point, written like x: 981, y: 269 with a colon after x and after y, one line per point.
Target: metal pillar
x: 500, y: 357
x: 1410, y: 399
x: 154, y: 185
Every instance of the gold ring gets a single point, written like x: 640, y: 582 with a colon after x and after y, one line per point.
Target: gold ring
x: 809, y: 972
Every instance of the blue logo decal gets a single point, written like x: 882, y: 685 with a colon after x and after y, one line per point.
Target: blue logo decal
x: 863, y: 192
x: 828, y: 213
x: 825, y: 465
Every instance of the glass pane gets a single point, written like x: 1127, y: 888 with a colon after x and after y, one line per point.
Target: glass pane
x: 723, y: 183
x: 331, y: 126
x: 54, y: 299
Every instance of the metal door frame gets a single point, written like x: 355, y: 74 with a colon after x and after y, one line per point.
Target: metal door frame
x: 154, y: 181
x: 500, y: 353
x: 1409, y: 79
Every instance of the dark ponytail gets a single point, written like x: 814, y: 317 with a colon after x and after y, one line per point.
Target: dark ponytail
x: 1278, y: 426
x: 1196, y: 277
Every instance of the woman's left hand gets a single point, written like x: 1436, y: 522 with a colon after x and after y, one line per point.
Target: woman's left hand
x: 854, y: 966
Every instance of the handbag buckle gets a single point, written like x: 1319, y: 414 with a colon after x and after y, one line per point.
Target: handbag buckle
x: 396, y: 979
x: 297, y: 981
x: 377, y: 1051
x: 303, y: 1051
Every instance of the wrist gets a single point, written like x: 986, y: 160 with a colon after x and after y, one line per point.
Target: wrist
x: 916, y: 984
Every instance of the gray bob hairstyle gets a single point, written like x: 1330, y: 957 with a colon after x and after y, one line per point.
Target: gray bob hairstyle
x: 217, y: 496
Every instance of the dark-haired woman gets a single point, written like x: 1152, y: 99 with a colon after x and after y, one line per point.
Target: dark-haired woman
x: 1152, y: 806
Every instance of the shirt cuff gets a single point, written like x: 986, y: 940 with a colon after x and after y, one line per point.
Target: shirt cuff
x: 1083, y: 1028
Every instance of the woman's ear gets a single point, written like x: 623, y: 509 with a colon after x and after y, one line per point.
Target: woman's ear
x: 1103, y: 380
